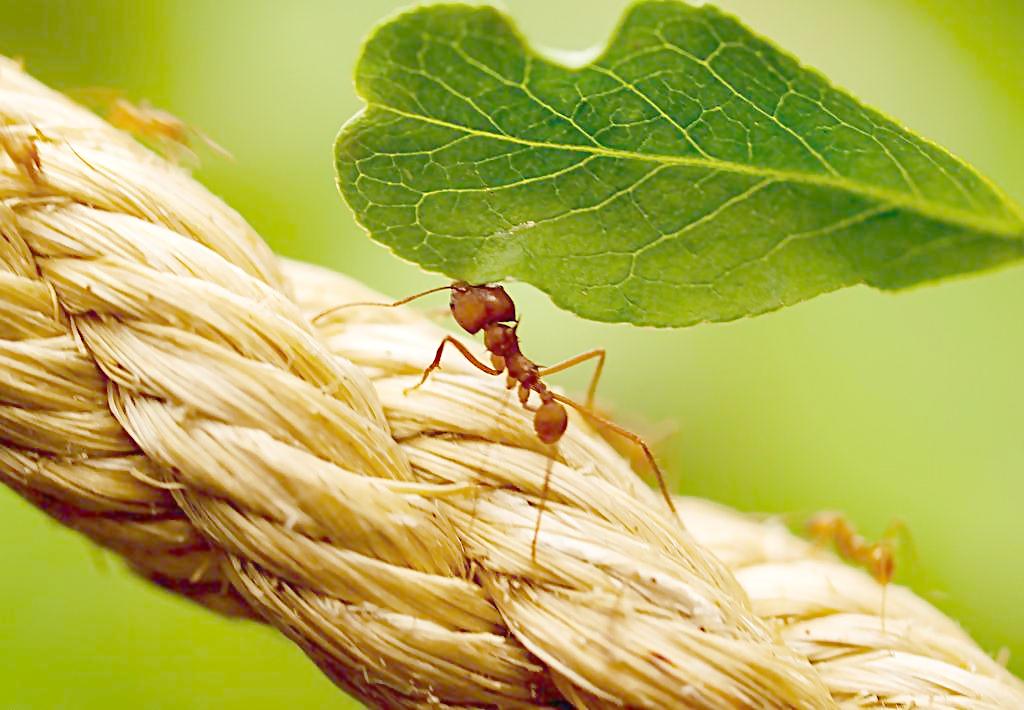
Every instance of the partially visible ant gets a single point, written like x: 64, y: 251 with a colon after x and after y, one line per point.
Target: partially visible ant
x: 878, y: 558
x: 168, y: 132
x: 159, y: 130
x: 489, y: 308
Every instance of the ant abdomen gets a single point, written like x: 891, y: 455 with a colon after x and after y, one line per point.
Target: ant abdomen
x: 550, y: 421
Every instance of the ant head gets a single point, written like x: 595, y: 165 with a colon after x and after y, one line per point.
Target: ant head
x: 550, y: 421
x: 474, y: 307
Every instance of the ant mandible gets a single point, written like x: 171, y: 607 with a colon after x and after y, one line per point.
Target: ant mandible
x: 489, y: 308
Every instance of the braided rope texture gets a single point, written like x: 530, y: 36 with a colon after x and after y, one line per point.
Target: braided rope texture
x: 164, y: 392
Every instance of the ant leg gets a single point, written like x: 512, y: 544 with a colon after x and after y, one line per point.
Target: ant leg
x: 881, y: 610
x: 598, y: 353
x: 462, y: 349
x: 213, y: 145
x: 400, y: 302
x: 899, y: 532
x: 540, y: 508
x: 177, y: 152
x: 635, y: 438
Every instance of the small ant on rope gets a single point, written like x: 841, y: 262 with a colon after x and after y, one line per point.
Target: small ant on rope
x: 159, y: 129
x: 878, y: 558
x: 489, y: 308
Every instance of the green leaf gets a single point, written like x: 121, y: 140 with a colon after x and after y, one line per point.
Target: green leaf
x: 692, y: 172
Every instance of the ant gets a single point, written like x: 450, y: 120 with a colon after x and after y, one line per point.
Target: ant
x: 489, y: 308
x: 161, y: 129
x: 878, y: 558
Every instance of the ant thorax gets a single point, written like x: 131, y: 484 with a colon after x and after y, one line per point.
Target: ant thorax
x: 501, y: 340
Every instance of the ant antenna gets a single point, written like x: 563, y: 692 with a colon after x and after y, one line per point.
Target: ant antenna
x: 899, y: 532
x: 401, y: 302
x: 621, y: 431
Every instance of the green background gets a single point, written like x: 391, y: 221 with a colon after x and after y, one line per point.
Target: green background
x: 886, y: 406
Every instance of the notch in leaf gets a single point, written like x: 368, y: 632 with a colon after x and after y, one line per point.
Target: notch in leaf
x: 692, y: 172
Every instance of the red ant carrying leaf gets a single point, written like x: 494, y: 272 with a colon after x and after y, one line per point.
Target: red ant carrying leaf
x: 489, y: 308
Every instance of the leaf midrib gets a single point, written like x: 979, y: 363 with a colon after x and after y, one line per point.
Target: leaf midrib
x: 925, y: 208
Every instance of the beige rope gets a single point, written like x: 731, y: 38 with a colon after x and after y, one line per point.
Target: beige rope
x: 163, y: 391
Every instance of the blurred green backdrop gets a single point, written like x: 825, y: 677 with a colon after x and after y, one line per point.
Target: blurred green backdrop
x: 885, y: 406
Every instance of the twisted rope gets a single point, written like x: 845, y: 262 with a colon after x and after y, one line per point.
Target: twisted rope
x: 162, y: 390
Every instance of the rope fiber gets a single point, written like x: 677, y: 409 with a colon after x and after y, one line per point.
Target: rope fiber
x: 164, y: 392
